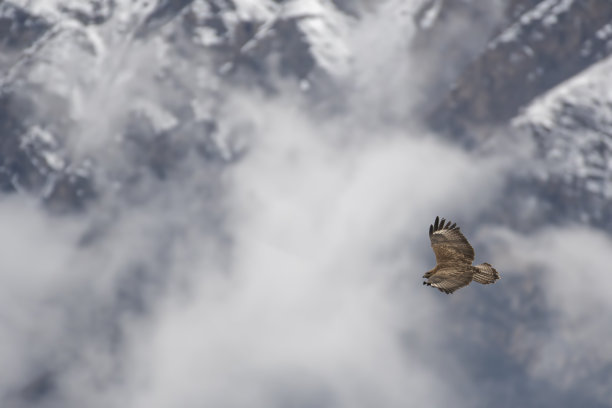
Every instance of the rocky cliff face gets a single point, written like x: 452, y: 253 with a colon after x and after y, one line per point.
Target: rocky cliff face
x: 542, y: 46
x: 50, y: 48
x: 495, y: 60
x: 570, y: 126
x: 539, y: 52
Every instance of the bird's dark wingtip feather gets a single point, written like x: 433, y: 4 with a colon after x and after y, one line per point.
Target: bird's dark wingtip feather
x: 442, y: 224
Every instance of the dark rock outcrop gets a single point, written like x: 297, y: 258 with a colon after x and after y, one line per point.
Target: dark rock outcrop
x: 546, y: 45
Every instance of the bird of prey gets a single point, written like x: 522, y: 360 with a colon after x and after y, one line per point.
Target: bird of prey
x: 454, y: 257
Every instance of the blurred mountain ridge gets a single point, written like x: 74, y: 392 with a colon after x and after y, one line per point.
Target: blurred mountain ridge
x: 502, y: 57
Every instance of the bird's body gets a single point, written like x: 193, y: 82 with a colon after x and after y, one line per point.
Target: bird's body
x: 454, y: 257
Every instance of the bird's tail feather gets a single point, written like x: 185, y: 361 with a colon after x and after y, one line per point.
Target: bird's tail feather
x: 485, y: 274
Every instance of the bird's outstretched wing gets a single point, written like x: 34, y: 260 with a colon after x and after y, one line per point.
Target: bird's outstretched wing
x: 449, y: 244
x: 449, y: 280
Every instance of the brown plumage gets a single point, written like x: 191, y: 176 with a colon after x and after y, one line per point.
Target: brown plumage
x: 454, y: 257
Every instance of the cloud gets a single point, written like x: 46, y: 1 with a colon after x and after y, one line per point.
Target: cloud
x: 308, y: 311
x: 36, y: 251
x: 303, y: 305
x: 571, y: 264
x: 295, y: 282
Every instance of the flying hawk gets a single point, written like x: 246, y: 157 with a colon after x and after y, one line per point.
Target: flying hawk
x: 454, y: 257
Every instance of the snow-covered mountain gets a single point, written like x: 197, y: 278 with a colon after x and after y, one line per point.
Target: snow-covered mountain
x: 541, y: 78
x: 196, y: 194
x: 67, y: 59
x: 571, y: 127
x: 57, y: 46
